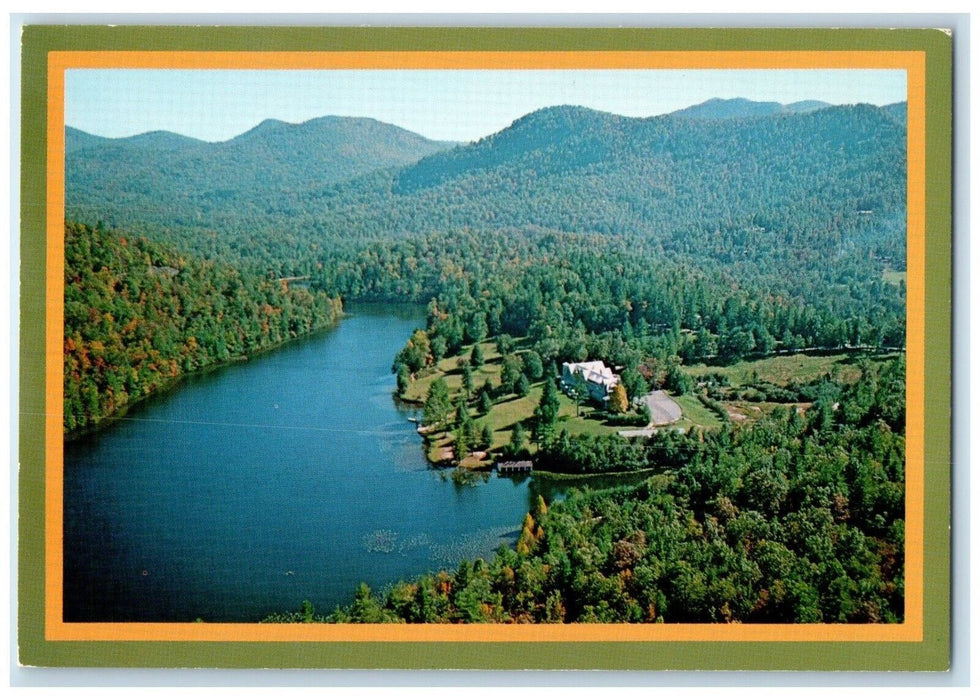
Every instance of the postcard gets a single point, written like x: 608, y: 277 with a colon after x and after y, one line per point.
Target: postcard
x: 431, y: 348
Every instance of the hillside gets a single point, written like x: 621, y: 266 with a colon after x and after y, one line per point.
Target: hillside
x: 797, y: 209
x: 167, y: 180
x: 796, y: 190
x: 138, y: 316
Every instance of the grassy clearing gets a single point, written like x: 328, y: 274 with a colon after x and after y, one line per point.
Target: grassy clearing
x: 754, y: 411
x: 781, y: 370
x: 507, y: 410
x: 784, y: 369
x: 695, y: 414
x: 581, y: 424
x: 449, y: 369
x: 506, y: 413
x: 895, y: 277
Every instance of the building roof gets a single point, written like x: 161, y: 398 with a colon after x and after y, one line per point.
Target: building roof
x: 595, y: 372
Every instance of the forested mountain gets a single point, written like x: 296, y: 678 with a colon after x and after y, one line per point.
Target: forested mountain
x: 684, y: 185
x: 168, y: 180
x: 139, y: 315
x: 804, y: 207
x: 157, y: 141
x: 898, y: 112
x: 807, y: 186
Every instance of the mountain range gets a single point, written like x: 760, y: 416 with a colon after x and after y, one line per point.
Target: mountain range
x: 803, y: 180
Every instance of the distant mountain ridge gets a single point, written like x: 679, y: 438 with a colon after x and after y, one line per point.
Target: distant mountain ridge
x: 78, y: 140
x: 192, y: 176
x: 740, y: 108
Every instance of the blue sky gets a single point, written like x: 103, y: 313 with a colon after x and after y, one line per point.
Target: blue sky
x: 457, y: 105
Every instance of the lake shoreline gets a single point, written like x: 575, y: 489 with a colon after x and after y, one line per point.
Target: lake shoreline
x: 175, y: 384
x: 232, y: 479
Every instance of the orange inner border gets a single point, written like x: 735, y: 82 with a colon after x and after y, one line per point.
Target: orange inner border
x: 911, y: 630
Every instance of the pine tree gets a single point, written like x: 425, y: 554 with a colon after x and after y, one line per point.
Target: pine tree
x: 476, y: 356
x: 517, y: 447
x: 523, y: 387
x: 486, y: 437
x: 547, y: 410
x: 437, y: 405
x: 484, y: 403
x: 461, y: 445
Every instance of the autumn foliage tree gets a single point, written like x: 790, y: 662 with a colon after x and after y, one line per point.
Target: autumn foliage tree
x: 139, y: 315
x: 618, y: 401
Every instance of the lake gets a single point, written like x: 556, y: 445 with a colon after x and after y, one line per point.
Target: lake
x: 248, y: 489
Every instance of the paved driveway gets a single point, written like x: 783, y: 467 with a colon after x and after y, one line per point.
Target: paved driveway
x: 663, y: 409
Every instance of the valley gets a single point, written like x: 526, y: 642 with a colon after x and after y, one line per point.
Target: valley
x: 746, y: 259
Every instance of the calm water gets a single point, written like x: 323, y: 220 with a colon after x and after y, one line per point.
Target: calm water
x: 247, y: 490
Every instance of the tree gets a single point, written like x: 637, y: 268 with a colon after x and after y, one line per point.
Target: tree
x: 476, y: 355
x: 476, y: 328
x: 735, y: 345
x: 533, y: 365
x: 307, y: 611
x: 540, y: 507
x: 462, y: 412
x: 461, y: 445
x: 634, y: 382
x: 437, y: 405
x: 523, y: 387
x: 484, y: 403
x: 677, y: 380
x: 437, y: 348
x: 517, y: 447
x: 486, y: 436
x: 403, y: 378
x: 511, y: 373
x: 416, y: 353
x: 618, y: 401
x: 705, y: 345
x: 366, y: 608
x: 547, y: 411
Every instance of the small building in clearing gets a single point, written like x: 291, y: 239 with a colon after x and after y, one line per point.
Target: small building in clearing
x: 599, y: 379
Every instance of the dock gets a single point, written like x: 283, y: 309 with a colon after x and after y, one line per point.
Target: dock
x: 520, y: 467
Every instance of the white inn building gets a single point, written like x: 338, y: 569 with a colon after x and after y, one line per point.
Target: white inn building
x: 599, y: 379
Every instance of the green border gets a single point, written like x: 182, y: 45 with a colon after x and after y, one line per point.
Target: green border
x: 931, y: 654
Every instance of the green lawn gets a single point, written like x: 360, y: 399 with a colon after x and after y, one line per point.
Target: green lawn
x: 695, y: 414
x: 783, y: 369
x: 449, y: 369
x: 507, y: 410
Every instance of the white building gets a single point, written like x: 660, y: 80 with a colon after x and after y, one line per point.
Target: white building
x: 599, y: 379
